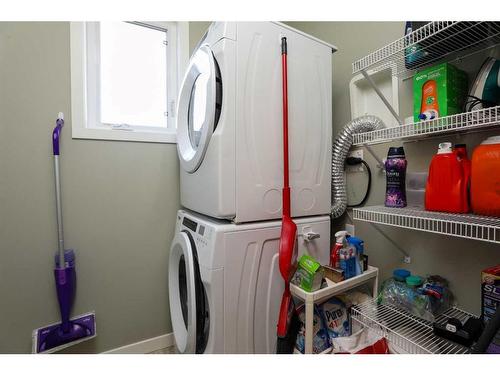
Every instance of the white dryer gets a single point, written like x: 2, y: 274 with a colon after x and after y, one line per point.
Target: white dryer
x: 229, y: 123
x: 224, y: 284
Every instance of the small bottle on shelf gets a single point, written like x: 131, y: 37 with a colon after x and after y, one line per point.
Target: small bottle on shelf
x: 395, y: 169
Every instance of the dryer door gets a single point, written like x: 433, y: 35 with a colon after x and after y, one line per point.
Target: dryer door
x: 187, y: 296
x: 200, y: 101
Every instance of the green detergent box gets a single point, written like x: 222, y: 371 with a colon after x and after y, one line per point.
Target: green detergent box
x: 438, y: 91
x: 309, y: 274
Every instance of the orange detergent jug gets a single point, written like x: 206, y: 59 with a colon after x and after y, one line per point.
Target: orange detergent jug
x: 485, y: 178
x: 446, y: 188
x: 461, y: 151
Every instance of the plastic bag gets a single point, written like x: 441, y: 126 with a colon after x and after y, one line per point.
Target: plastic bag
x: 365, y: 341
x: 426, y: 302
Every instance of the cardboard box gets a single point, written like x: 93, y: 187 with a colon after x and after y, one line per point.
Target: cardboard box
x: 490, y: 301
x: 490, y: 292
x: 309, y: 274
x: 334, y: 274
x: 443, y: 89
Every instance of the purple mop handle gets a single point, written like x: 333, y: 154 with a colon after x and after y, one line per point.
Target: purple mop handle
x: 57, y: 133
x: 65, y: 276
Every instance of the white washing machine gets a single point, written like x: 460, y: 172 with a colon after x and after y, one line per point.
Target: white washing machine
x: 224, y: 284
x: 229, y: 123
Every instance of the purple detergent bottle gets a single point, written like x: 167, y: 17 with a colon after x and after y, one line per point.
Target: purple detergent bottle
x: 395, y: 169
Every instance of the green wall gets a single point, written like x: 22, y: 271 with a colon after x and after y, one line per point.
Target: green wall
x: 119, y: 204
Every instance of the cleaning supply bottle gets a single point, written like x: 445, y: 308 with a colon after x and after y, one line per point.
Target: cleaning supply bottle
x: 461, y: 151
x: 485, y: 179
x: 429, y: 108
x: 339, y: 244
x: 395, y: 168
x: 347, y: 256
x: 445, y: 189
x: 358, y: 244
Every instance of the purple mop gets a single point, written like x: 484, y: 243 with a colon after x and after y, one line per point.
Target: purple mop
x: 68, y: 331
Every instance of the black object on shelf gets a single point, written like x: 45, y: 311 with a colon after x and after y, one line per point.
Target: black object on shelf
x: 461, y: 333
x: 364, y: 259
x: 489, y: 342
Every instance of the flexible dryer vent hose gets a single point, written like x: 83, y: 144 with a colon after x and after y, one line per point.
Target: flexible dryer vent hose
x: 340, y: 150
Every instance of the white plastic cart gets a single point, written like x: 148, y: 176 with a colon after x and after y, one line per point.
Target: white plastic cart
x: 370, y: 275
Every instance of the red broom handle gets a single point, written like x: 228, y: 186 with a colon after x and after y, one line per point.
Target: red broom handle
x: 286, y: 179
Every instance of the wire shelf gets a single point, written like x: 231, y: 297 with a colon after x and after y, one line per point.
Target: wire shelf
x: 469, y: 226
x: 468, y: 121
x: 407, y: 332
x: 436, y: 41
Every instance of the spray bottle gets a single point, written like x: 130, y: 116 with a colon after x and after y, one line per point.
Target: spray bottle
x: 348, y: 261
x: 339, y: 244
x: 358, y: 244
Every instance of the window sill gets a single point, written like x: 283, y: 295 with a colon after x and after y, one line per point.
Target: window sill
x: 123, y: 135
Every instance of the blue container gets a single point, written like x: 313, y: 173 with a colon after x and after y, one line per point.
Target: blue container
x: 400, y: 274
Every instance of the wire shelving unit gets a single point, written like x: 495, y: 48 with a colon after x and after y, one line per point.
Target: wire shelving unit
x: 434, y: 42
x: 469, y: 121
x: 483, y: 228
x: 406, y: 332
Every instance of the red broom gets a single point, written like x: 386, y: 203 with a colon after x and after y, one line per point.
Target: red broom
x: 288, y: 321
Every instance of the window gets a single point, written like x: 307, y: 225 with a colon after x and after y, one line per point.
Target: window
x: 125, y: 77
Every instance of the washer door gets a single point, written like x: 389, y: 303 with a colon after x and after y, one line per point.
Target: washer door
x: 199, y: 107
x: 187, y: 296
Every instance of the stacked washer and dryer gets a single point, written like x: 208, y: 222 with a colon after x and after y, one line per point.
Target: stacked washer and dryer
x: 224, y: 283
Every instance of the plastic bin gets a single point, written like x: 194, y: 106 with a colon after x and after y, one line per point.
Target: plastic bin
x: 415, y: 188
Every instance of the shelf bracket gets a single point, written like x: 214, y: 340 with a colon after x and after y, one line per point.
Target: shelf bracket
x: 380, y: 162
x: 381, y: 96
x: 406, y: 256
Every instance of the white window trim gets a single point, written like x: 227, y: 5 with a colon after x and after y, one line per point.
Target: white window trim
x: 79, y: 105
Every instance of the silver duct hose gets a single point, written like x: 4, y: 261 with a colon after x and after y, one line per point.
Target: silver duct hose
x: 339, y: 154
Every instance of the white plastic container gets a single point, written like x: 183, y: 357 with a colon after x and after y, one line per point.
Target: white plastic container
x: 415, y: 188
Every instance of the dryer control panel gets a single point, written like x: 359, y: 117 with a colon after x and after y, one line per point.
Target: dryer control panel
x: 201, y: 233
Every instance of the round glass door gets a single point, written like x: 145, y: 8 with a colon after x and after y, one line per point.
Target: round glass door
x: 199, y: 107
x: 196, y: 112
x: 187, y: 297
x: 182, y: 297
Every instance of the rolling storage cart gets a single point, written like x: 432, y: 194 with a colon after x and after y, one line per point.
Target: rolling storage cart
x: 370, y: 275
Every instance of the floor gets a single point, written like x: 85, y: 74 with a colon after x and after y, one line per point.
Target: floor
x: 169, y: 350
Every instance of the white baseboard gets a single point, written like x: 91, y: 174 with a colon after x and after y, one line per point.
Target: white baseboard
x: 145, y: 346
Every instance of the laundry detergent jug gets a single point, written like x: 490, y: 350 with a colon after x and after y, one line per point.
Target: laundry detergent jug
x: 485, y: 178
x: 463, y: 158
x: 446, y: 188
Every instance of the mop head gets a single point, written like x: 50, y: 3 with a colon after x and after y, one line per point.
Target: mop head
x: 52, y: 338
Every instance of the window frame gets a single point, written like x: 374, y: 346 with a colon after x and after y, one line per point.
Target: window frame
x: 85, y: 84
